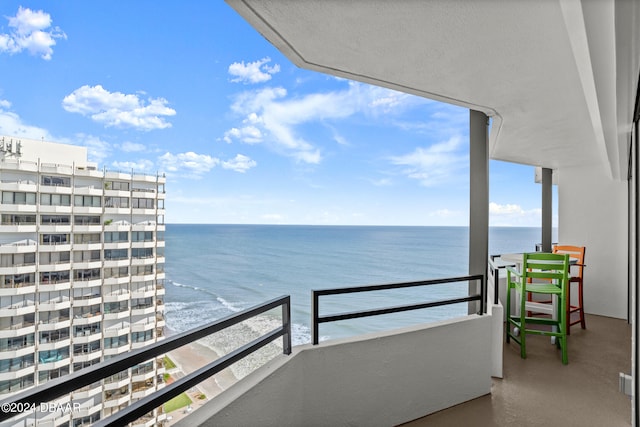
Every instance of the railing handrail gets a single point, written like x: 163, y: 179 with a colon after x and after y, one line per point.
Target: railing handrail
x: 68, y: 383
x: 316, y: 319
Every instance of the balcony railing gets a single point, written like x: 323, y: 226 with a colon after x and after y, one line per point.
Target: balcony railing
x: 316, y: 319
x: 65, y: 385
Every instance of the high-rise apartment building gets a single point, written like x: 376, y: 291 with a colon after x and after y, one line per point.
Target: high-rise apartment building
x: 81, y: 277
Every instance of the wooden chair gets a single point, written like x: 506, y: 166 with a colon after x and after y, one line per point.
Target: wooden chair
x: 542, y: 273
x: 576, y: 252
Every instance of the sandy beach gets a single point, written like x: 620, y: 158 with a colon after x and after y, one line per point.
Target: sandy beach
x: 190, y: 358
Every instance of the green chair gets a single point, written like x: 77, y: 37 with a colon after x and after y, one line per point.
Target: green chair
x: 542, y: 273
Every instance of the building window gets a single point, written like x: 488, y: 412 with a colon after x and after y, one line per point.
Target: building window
x: 55, y: 199
x: 115, y: 342
x: 11, y: 386
x: 18, y: 219
x: 86, y: 220
x: 18, y: 198
x: 55, y: 220
x: 86, y: 274
x: 140, y: 203
x: 86, y: 238
x: 142, y: 336
x: 17, y: 260
x: 87, y: 201
x: 116, y: 236
x: 16, y: 343
x: 86, y: 256
x: 54, y: 316
x: 86, y: 330
x: 116, y: 202
x: 54, y: 257
x: 141, y: 253
x: 53, y: 277
x: 142, y: 236
x: 50, y: 356
x: 116, y: 185
x: 44, y: 376
x: 54, y: 239
x: 56, y: 181
x: 115, y: 272
x: 116, y: 307
x: 116, y: 254
x: 54, y: 336
x: 82, y: 365
x: 141, y: 270
x: 91, y: 347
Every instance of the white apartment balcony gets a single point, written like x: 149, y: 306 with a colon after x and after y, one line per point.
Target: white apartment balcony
x: 86, y: 357
x: 52, y: 325
x: 17, y: 208
x: 55, y: 266
x: 87, y: 337
x: 7, y: 376
x: 25, y: 185
x: 17, y: 352
x: 123, y: 280
x: 116, y: 245
x: 116, y: 350
x: 160, y: 243
x: 54, y: 345
x: 88, y: 391
x: 146, y: 324
x: 18, y: 247
x: 18, y: 309
x: 20, y: 165
x: 142, y: 278
x: 55, y: 209
x: 18, y: 228
x: 88, y: 228
x: 116, y: 211
x: 53, y: 364
x: 143, y: 392
x: 141, y: 211
x: 87, y: 283
x: 116, y: 383
x: 140, y: 344
x: 54, y: 286
x: 109, y: 263
x: 55, y: 228
x: 144, y: 226
x: 116, y: 296
x: 146, y: 178
x: 18, y: 269
x: 55, y: 247
x: 122, y: 328
x: 54, y: 305
x: 93, y: 210
x: 85, y: 265
x: 55, y: 189
x: 87, y: 301
x: 87, y: 319
x: 88, y: 172
x: 148, y: 244
x: 22, y: 289
x: 142, y: 376
x: 117, y: 315
x: 143, y: 310
x: 160, y: 321
x: 146, y: 292
x: 87, y: 246
x: 161, y: 227
x: 17, y: 330
x: 56, y: 168
x: 85, y: 411
x: 117, y: 193
x: 160, y: 259
x: 88, y: 190
x: 115, y: 402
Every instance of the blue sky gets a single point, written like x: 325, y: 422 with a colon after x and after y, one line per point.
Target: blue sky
x: 189, y: 89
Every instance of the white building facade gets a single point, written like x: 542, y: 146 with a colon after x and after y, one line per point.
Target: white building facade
x: 81, y: 277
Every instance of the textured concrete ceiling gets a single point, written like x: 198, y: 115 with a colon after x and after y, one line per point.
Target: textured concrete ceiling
x: 545, y: 71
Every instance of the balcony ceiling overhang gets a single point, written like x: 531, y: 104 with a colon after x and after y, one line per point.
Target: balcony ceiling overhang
x: 558, y: 77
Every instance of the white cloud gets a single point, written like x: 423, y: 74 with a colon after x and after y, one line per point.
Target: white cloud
x: 435, y: 164
x: 97, y: 149
x: 140, y: 165
x: 240, y: 163
x: 270, y: 116
x: 132, y: 147
x: 11, y: 124
x: 514, y: 215
x: 189, y: 164
x: 31, y: 30
x: 253, y: 72
x: 117, y: 109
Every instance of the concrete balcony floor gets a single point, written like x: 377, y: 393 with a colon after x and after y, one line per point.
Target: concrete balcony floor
x: 540, y: 391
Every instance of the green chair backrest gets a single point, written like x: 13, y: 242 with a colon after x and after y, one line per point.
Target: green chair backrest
x: 546, y: 266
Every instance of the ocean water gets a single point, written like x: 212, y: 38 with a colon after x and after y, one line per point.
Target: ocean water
x: 215, y: 270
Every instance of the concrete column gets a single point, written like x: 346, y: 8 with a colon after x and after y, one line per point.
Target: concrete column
x: 547, y: 203
x: 478, y: 195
